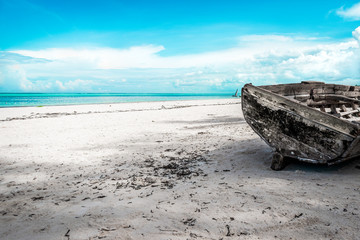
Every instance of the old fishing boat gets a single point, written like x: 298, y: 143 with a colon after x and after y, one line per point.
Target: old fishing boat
x: 310, y: 121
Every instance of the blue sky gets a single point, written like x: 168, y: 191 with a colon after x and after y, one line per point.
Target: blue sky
x: 168, y: 46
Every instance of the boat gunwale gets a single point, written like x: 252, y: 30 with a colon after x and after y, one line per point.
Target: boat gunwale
x: 311, y: 110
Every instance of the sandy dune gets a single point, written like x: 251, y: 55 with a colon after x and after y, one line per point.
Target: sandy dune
x: 162, y: 170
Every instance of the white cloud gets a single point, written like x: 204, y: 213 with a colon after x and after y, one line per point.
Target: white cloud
x: 13, y: 78
x: 70, y: 86
x: 100, y: 58
x: 145, y: 57
x: 356, y: 34
x: 260, y: 59
x: 352, y: 13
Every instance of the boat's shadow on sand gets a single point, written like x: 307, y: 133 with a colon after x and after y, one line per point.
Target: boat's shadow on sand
x: 251, y: 152
x: 255, y: 155
x: 344, y: 167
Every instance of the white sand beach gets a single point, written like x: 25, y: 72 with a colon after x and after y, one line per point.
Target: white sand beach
x: 162, y: 170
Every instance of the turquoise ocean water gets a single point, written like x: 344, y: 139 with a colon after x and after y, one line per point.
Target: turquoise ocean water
x: 48, y: 99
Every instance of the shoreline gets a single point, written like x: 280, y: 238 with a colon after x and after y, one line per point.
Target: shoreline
x: 112, y: 103
x: 228, y: 96
x: 30, y: 112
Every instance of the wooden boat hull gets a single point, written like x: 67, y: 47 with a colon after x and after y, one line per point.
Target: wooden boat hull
x: 298, y: 131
